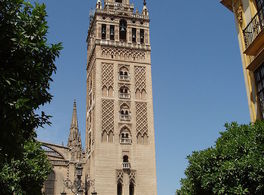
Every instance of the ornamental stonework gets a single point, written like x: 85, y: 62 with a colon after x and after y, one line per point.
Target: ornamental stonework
x: 108, y: 116
x: 107, y: 75
x: 123, y: 53
x: 140, y: 78
x: 141, y: 119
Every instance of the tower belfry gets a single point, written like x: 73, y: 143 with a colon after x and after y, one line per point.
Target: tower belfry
x: 120, y: 141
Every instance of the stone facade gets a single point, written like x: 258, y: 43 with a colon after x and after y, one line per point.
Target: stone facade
x: 119, y: 154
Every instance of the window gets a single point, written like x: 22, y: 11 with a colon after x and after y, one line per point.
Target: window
x: 125, y: 136
x: 142, y: 35
x: 118, y: 1
x: 124, y: 112
x: 124, y: 93
x: 119, y: 189
x: 125, y: 158
x: 134, y: 35
x: 123, y: 73
x: 259, y: 80
x: 103, y: 31
x: 122, y: 30
x: 131, y: 188
x: 112, y: 32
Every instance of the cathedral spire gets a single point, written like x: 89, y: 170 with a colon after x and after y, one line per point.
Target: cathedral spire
x: 74, y: 141
x: 74, y: 129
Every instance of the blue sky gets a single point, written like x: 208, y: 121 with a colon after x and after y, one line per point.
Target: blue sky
x: 197, y: 74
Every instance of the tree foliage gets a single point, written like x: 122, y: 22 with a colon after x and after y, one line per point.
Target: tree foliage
x: 26, y: 67
x: 235, y: 165
x: 27, y: 175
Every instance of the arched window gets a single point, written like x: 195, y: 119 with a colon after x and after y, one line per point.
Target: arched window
x: 124, y: 92
x: 142, y: 35
x: 123, y: 73
x: 125, y: 136
x: 119, y: 189
x: 103, y: 32
x: 50, y: 184
x: 123, y: 30
x: 124, y: 112
x: 131, y: 188
x: 125, y: 158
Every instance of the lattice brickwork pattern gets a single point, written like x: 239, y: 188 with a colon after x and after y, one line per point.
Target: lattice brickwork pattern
x: 107, y: 75
x: 122, y: 53
x: 140, y: 78
x: 141, y: 118
x: 132, y: 176
x: 108, y: 116
x: 119, y: 176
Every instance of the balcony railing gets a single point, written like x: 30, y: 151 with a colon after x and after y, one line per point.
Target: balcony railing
x: 124, y: 95
x: 125, y: 117
x: 254, y: 27
x: 124, y: 77
x: 125, y: 141
x: 126, y: 165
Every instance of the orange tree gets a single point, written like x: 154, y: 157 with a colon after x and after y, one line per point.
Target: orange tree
x: 26, y: 67
x: 235, y: 165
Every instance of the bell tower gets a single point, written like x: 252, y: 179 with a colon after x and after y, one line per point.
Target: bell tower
x: 120, y: 142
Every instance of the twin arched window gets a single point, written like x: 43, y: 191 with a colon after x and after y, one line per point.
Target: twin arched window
x: 123, y: 73
x: 124, y: 92
x: 125, y: 136
x: 124, y: 112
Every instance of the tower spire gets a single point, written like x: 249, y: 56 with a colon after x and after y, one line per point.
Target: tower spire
x: 145, y: 9
x: 99, y: 4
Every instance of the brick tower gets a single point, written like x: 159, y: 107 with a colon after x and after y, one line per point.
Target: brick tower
x: 120, y: 143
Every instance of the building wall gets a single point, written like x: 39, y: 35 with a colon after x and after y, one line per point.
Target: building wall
x: 244, y: 11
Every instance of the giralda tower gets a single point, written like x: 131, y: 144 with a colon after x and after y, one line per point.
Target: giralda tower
x: 120, y: 142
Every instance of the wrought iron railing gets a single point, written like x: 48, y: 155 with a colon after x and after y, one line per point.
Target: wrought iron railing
x: 125, y: 141
x: 124, y: 95
x: 124, y: 117
x: 123, y: 77
x: 254, y: 27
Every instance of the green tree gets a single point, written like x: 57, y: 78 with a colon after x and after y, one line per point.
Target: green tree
x: 235, y: 165
x: 26, y: 66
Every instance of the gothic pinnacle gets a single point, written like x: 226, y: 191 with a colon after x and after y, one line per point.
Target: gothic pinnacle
x: 74, y: 122
x: 145, y: 3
